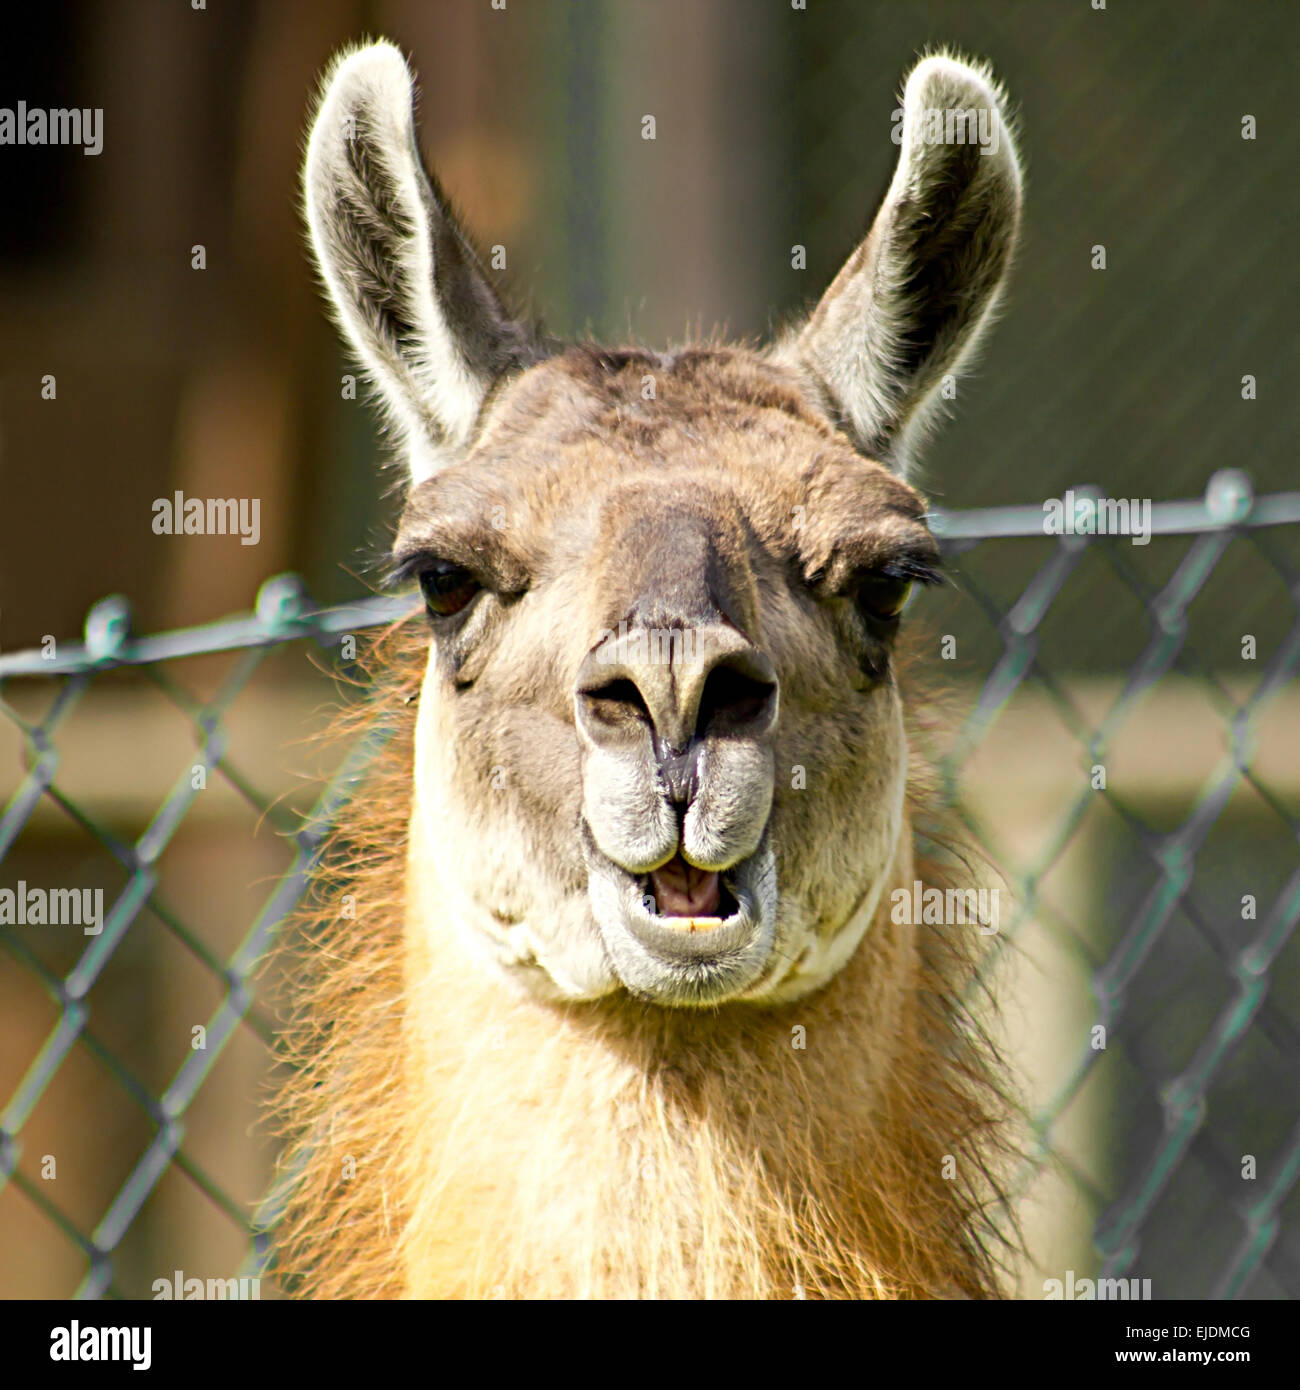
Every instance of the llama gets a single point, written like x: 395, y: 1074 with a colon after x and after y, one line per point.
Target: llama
x: 617, y: 1006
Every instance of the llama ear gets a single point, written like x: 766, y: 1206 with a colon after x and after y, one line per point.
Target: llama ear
x: 912, y: 301
x: 408, y: 290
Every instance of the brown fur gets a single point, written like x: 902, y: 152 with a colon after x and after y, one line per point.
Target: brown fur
x: 721, y: 1161
x: 521, y: 1071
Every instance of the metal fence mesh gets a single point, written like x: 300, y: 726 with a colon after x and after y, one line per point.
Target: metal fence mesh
x: 1199, y: 1001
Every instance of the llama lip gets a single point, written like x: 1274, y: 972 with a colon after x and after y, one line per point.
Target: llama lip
x: 685, y: 960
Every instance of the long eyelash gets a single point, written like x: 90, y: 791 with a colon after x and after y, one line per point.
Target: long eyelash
x: 403, y: 569
x: 919, y: 569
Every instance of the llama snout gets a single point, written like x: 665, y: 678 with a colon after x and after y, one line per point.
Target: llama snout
x: 675, y: 726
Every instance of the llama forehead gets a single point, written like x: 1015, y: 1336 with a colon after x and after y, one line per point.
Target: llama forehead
x: 595, y: 447
x: 647, y: 399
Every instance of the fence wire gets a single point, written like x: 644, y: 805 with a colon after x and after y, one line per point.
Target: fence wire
x: 1208, y: 1065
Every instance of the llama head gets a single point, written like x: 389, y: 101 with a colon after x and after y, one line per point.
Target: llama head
x: 660, y: 746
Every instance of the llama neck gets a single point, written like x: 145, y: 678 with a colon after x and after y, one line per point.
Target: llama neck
x: 620, y: 1150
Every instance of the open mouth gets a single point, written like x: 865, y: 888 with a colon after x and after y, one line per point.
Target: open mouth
x: 681, y: 894
x: 682, y: 935
x: 679, y: 934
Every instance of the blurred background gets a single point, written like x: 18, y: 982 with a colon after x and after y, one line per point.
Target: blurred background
x: 772, y: 131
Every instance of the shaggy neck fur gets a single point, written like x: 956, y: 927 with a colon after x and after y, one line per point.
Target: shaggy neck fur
x: 450, y: 1138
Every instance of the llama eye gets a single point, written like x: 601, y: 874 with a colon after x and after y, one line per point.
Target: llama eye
x: 881, y: 597
x: 447, y: 589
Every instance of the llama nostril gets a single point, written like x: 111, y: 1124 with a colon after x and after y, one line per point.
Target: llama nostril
x: 615, y: 698
x: 681, y: 693
x: 734, y: 698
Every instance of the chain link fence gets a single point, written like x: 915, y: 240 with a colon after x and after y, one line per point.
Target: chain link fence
x: 1148, y: 826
